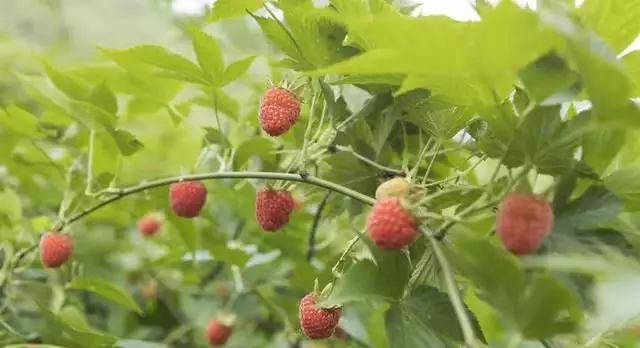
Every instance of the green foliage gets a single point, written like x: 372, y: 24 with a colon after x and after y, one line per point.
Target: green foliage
x: 521, y: 99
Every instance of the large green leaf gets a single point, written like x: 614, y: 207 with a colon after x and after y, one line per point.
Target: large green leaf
x: 545, y: 140
x: 104, y: 289
x: 74, y: 329
x: 616, y: 21
x: 208, y: 54
x: 501, y: 282
x: 624, y: 182
x: 368, y: 281
x: 226, y: 9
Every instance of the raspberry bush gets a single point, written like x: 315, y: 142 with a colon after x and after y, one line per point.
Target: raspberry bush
x: 340, y: 173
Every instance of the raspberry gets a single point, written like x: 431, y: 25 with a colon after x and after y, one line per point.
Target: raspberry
x: 218, y: 333
x: 148, y: 225
x: 317, y: 322
x: 396, y: 187
x: 187, y: 198
x: 273, y: 208
x: 55, y: 249
x: 523, y: 222
x: 390, y: 225
x: 279, y: 110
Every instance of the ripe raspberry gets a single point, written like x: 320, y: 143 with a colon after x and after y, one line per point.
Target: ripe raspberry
x: 390, y: 225
x: 523, y: 222
x: 317, y: 322
x: 55, y: 249
x: 148, y: 225
x: 187, y: 198
x: 279, y: 111
x: 396, y: 187
x: 273, y: 208
x: 218, y: 333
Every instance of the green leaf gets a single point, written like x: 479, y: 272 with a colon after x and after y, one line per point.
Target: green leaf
x: 226, y: 9
x: 258, y: 146
x: 616, y: 21
x: 236, y: 69
x: 19, y: 121
x: 409, y: 327
x: 370, y: 281
x: 546, y: 141
x: 214, y: 136
x: 70, y: 86
x: 546, y: 76
x: 595, y: 206
x: 632, y: 63
x: 175, y: 65
x: 185, y: 228
x: 105, y: 289
x: 10, y: 206
x: 602, y: 74
x: 601, y: 146
x: 280, y: 37
x: 624, y: 182
x: 67, y: 322
x: 228, y: 255
x: 102, y: 96
x: 208, y: 54
x: 350, y: 172
x: 539, y: 306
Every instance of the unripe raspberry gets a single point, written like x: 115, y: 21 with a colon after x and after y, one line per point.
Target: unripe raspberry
x: 396, y: 187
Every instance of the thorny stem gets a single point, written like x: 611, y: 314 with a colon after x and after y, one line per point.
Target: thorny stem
x: 309, y: 179
x: 314, y: 227
x: 454, y: 295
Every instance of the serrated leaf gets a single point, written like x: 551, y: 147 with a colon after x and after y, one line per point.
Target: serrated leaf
x: 70, y: 86
x: 226, y: 9
x: 616, y: 21
x: 106, y: 290
x: 103, y: 97
x: 228, y: 255
x: 545, y: 140
x: 160, y: 57
x: 236, y: 69
x: 19, y: 121
x: 546, y: 76
x: 208, y: 54
x: 89, y: 338
x: 407, y: 328
x: 257, y: 146
x: 185, y: 228
x: 280, y: 37
x: 368, y: 281
x: 350, y: 172
x: 596, y: 205
x: 624, y: 182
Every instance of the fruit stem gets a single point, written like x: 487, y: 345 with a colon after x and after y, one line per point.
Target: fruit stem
x: 454, y: 296
x: 309, y: 179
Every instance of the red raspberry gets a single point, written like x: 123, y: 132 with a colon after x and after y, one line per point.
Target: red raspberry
x: 187, y: 198
x: 273, y: 208
x: 218, y: 333
x: 390, y: 225
x: 317, y: 322
x: 279, y: 110
x: 55, y: 249
x: 523, y: 222
x: 148, y: 225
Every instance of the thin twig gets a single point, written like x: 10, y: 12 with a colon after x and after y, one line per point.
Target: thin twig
x: 314, y: 227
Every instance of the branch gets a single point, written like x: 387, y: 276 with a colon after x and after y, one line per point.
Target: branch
x: 384, y: 169
x: 304, y: 178
x: 314, y: 226
x: 454, y: 296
